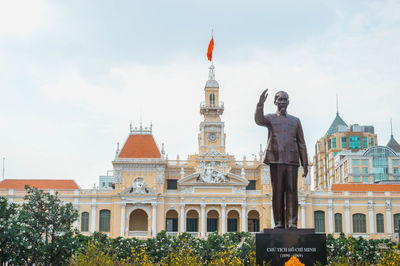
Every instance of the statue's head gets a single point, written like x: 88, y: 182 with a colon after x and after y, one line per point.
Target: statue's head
x: 281, y: 100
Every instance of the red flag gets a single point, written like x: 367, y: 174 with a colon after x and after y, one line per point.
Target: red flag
x: 210, y: 49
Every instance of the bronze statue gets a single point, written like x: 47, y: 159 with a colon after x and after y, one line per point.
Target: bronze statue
x: 285, y: 145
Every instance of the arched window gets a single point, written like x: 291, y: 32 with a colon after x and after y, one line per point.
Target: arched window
x: 396, y: 220
x: 319, y: 221
x: 192, y: 221
x: 212, y: 99
x: 359, y: 223
x: 212, y: 221
x: 171, y: 221
x: 233, y: 220
x: 85, y: 222
x: 380, y: 163
x: 338, y: 223
x: 380, y: 228
x: 253, y: 221
x: 105, y: 220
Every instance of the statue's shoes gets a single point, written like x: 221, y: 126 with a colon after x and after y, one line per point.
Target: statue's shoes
x: 292, y: 226
x: 278, y: 226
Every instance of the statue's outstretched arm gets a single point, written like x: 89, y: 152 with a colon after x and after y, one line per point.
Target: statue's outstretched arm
x: 259, y: 115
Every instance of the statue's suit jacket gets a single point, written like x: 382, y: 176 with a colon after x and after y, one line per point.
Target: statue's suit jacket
x: 286, y: 143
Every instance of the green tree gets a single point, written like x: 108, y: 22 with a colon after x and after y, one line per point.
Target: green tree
x: 358, y: 251
x: 40, y: 230
x: 8, y: 233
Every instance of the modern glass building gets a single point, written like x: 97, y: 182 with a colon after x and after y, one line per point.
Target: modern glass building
x: 339, y: 138
x: 378, y: 163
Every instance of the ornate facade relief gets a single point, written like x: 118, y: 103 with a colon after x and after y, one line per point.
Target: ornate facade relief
x: 212, y: 128
x: 139, y: 186
x: 160, y: 175
x: 212, y: 153
x: 118, y: 175
x: 210, y: 174
x: 265, y: 174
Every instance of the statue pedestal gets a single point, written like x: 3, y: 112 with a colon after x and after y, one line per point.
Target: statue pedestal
x: 279, y: 245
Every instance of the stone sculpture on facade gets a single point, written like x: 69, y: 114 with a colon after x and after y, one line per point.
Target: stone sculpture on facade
x: 209, y: 174
x: 139, y: 186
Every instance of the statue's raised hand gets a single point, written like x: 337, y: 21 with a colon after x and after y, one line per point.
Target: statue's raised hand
x: 263, y: 97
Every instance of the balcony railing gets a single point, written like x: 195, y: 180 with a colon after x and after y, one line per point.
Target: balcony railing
x: 194, y: 234
x: 212, y: 106
x: 138, y: 233
x: 172, y: 233
x: 363, y: 235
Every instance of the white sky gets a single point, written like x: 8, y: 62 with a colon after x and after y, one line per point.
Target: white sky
x: 74, y: 74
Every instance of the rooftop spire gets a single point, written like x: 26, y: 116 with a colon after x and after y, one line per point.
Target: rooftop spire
x: 117, y: 151
x: 211, y: 82
x: 391, y: 128
x: 337, y: 105
x: 338, y: 121
x: 162, y: 150
x: 211, y: 73
x: 393, y: 144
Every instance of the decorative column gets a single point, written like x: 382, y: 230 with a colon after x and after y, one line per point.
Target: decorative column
x: 76, y: 206
x: 11, y: 195
x: 222, y: 135
x: 202, y: 135
x: 154, y: 220
x: 93, y: 216
x: 203, y: 220
x: 303, y: 214
x: 182, y: 218
x: 347, y: 216
x: 371, y: 217
x: 223, y: 218
x: 330, y: 216
x: 123, y: 207
x: 388, y: 217
x: 244, y: 218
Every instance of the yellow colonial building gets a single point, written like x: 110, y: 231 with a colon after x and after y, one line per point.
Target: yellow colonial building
x: 211, y: 190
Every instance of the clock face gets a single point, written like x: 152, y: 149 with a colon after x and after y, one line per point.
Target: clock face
x: 212, y: 137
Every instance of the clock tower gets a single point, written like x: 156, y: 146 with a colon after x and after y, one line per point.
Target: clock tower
x: 212, y: 136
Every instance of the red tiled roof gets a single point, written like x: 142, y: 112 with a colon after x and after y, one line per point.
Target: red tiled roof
x: 365, y: 187
x: 140, y: 146
x: 39, y: 183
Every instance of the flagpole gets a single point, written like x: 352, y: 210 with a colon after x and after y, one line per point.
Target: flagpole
x: 212, y: 36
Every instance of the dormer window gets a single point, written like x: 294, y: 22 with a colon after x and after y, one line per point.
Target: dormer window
x: 251, y: 185
x: 172, y: 184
